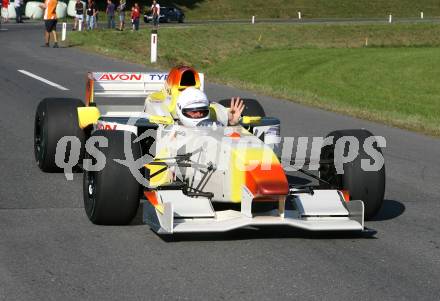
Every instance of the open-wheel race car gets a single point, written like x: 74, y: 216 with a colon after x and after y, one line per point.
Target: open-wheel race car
x: 212, y: 177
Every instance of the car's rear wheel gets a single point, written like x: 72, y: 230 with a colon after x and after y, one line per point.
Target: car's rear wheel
x: 55, y: 118
x: 111, y: 195
x: 252, y: 107
x: 368, y: 186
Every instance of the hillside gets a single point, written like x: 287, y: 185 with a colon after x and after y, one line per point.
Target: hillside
x: 240, y: 9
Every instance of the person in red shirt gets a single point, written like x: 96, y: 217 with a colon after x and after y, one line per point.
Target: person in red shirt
x: 135, y: 15
x: 4, y: 12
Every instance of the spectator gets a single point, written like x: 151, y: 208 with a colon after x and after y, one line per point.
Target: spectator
x: 91, y: 15
x: 5, y: 13
x: 18, y: 5
x: 79, y: 16
x: 50, y: 21
x: 121, y: 10
x: 135, y: 15
x: 155, y: 9
x: 110, y: 11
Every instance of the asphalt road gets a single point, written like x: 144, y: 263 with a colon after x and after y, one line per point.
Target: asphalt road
x: 50, y: 251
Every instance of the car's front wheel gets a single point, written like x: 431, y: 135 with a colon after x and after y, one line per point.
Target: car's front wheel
x: 111, y: 195
x: 365, y: 185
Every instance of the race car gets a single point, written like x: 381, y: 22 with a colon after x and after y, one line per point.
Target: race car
x: 212, y: 177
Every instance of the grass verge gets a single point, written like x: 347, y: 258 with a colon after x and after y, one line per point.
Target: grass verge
x: 393, y: 80
x: 233, y: 9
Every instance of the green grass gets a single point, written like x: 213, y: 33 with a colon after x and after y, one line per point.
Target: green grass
x: 233, y: 9
x: 398, y: 86
x: 393, y: 80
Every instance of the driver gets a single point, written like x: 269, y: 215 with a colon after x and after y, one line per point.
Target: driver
x: 193, y: 107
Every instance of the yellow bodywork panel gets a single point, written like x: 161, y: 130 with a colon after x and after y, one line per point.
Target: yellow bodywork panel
x: 87, y: 116
x: 173, y: 103
x: 247, y: 158
x: 251, y: 119
x: 162, y: 178
x: 158, y: 96
x: 161, y: 119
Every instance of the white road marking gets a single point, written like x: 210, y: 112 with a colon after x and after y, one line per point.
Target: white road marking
x: 43, y: 80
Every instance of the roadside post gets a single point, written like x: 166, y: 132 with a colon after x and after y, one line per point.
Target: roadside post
x: 63, y: 32
x: 80, y: 25
x: 153, y: 48
x: 421, y: 15
x: 390, y: 18
x: 299, y: 15
x: 253, y: 19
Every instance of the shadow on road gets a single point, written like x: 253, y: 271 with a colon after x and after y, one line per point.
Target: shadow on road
x: 70, y: 45
x: 390, y: 209
x: 273, y: 232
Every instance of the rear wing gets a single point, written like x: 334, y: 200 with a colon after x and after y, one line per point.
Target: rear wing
x: 126, y: 84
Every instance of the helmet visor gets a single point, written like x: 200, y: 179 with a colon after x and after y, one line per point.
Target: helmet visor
x: 196, y: 113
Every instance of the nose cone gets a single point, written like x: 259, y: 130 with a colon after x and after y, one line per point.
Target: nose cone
x: 267, y: 180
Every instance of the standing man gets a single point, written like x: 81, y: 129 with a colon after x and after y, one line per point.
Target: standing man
x: 50, y: 21
x: 91, y: 15
x: 5, y: 13
x: 110, y: 11
x: 121, y: 10
x: 79, y: 16
x: 18, y: 5
x: 155, y: 9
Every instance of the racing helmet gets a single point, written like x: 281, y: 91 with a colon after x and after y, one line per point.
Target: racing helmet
x: 192, y: 107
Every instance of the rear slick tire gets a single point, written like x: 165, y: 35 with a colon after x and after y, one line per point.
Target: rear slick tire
x: 252, y: 107
x: 55, y: 118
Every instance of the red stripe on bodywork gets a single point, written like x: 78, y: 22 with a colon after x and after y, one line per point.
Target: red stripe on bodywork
x: 151, y: 197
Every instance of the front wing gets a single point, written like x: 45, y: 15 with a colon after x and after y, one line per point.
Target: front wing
x: 324, y: 211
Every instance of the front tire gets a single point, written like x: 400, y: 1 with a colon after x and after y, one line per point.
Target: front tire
x: 54, y: 119
x: 111, y: 195
x: 367, y: 186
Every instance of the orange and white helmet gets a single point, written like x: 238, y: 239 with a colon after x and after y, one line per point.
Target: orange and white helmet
x: 192, y: 107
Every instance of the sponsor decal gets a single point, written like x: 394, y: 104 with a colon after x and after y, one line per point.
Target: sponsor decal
x: 159, y: 77
x: 107, y: 127
x: 121, y: 76
x: 294, y: 151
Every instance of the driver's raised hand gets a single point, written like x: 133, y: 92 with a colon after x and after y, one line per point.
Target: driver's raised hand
x: 234, y: 114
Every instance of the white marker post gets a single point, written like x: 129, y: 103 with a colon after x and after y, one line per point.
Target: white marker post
x: 390, y: 18
x: 299, y: 15
x: 153, y: 46
x: 253, y: 19
x: 421, y: 15
x: 80, y: 25
x: 63, y: 32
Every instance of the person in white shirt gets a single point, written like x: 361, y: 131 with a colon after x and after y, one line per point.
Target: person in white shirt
x: 18, y: 4
x: 155, y: 9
